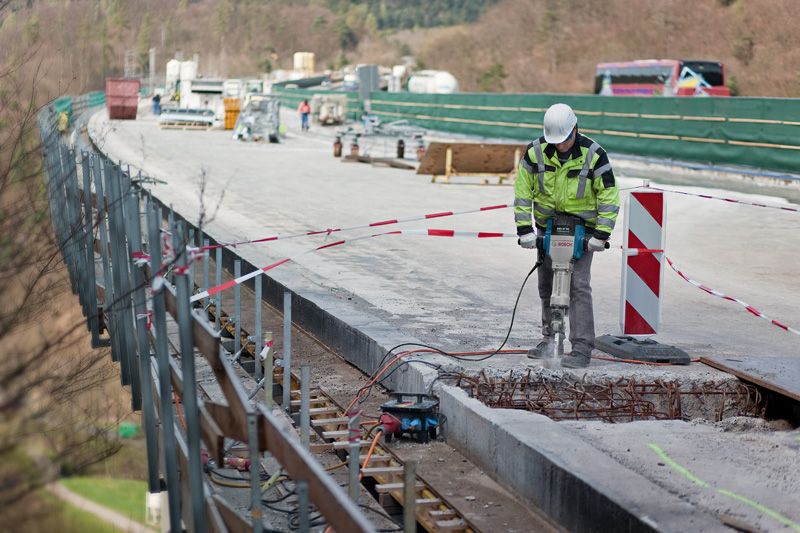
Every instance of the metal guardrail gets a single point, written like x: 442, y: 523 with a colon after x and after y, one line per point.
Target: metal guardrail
x: 110, y: 234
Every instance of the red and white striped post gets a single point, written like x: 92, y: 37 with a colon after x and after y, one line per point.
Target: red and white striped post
x: 643, y: 263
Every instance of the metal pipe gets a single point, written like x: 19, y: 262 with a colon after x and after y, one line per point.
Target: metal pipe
x: 287, y: 351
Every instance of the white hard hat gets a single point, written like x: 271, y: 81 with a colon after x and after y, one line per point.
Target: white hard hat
x: 559, y: 120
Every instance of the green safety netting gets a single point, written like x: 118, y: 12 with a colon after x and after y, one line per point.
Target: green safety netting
x: 758, y: 132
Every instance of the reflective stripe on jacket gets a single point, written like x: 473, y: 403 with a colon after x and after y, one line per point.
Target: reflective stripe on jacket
x: 583, y: 186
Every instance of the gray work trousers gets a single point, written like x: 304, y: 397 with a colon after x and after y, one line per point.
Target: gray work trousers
x: 581, y: 314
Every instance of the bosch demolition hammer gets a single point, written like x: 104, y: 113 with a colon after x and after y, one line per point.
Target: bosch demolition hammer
x: 565, y: 241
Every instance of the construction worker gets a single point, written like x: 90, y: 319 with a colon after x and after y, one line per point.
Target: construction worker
x: 566, y: 172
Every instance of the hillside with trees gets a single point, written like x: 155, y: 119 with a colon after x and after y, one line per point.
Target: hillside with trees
x: 490, y: 45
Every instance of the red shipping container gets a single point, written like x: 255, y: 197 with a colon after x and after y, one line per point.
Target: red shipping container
x: 122, y: 98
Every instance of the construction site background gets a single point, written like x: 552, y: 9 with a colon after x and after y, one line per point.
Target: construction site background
x: 510, y: 47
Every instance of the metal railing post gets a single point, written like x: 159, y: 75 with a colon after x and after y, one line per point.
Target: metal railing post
x: 287, y: 352
x: 303, y: 511
x: 91, y: 282
x: 218, y: 296
x: 410, y: 497
x: 354, y: 436
x: 100, y: 167
x: 165, y: 387
x: 117, y: 330
x: 145, y: 366
x: 124, y: 222
x: 237, y: 308
x: 206, y: 263
x: 256, y: 512
x: 191, y: 413
x: 269, y: 372
x: 257, y: 330
x: 305, y: 415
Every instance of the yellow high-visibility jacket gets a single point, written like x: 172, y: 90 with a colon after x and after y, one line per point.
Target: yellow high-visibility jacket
x: 584, y: 186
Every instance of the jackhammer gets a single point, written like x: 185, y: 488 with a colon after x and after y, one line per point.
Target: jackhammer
x: 565, y: 242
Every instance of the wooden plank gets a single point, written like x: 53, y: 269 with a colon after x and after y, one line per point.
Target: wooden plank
x: 338, y: 434
x: 473, y: 158
x: 212, y: 435
x: 329, y: 421
x: 311, y: 401
x: 389, y: 487
x: 371, y: 471
x: 451, y: 525
x: 778, y: 374
x: 375, y: 458
x: 323, y: 410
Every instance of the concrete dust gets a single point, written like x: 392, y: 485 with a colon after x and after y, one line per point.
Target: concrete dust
x: 753, y: 459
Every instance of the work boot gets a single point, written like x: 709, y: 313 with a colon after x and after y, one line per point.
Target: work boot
x: 542, y: 350
x: 575, y: 360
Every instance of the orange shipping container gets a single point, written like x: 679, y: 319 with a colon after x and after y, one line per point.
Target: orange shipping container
x: 231, y: 115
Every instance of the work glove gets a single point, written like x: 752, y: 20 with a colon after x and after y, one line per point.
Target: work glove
x: 528, y: 240
x: 596, y: 245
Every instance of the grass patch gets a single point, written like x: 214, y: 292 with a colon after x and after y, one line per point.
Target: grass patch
x: 44, y: 512
x: 126, y: 496
x: 77, y: 520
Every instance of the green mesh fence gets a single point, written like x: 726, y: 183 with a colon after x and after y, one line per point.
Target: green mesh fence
x: 758, y: 132
x: 63, y: 105
x: 292, y: 97
x: 96, y: 98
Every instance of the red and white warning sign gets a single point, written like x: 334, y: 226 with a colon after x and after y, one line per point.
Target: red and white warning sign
x: 642, y: 273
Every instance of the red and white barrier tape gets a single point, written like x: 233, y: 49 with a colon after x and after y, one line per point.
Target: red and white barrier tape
x: 729, y: 200
x: 362, y: 226
x: 426, y: 232
x: 750, y: 308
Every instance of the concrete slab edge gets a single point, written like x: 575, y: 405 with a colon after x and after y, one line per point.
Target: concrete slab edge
x: 578, y: 486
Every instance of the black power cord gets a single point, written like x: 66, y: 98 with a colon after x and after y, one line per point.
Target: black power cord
x: 445, y: 353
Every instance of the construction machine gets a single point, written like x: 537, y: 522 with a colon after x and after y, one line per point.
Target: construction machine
x: 564, y: 242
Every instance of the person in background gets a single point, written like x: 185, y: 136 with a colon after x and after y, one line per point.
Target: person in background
x: 157, y: 104
x: 304, y: 109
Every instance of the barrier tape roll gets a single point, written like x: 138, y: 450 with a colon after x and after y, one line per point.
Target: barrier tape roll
x: 750, y: 309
